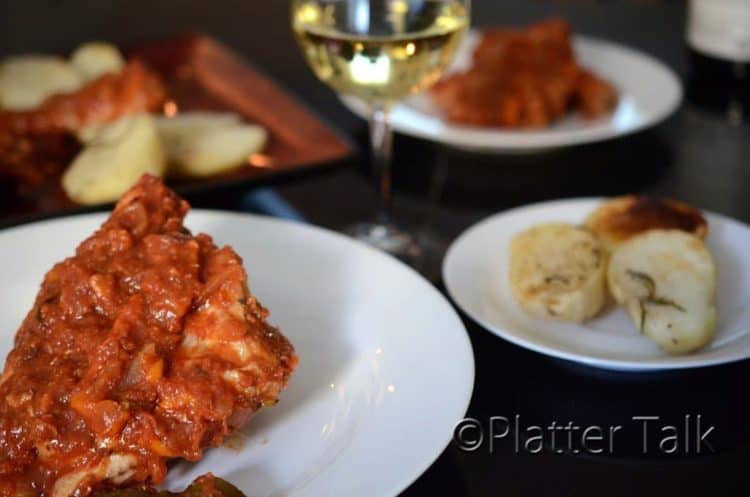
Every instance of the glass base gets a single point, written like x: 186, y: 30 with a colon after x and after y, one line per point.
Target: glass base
x: 421, y: 250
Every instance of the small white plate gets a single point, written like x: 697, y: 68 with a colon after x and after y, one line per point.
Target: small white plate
x: 386, y: 368
x: 649, y: 92
x: 475, y: 271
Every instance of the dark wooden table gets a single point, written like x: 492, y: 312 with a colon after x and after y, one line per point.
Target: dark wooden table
x: 694, y: 156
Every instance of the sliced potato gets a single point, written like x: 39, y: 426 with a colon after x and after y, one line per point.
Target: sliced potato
x: 88, y: 133
x: 666, y: 280
x: 621, y: 218
x: 176, y: 131
x: 93, y: 59
x: 558, y: 271
x: 114, y: 160
x: 204, y: 144
x: 96, y: 133
x: 217, y: 151
x: 186, y: 124
x: 26, y: 81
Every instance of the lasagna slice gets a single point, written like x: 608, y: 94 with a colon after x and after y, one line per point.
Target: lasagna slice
x: 144, y: 346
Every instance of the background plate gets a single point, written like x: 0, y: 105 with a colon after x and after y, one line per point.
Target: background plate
x: 475, y: 271
x: 649, y: 92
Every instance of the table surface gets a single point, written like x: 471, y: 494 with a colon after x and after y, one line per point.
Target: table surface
x: 694, y: 156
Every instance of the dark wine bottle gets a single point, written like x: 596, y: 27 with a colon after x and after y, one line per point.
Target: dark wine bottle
x: 718, y: 39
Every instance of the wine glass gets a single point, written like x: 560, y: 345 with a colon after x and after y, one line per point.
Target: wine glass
x: 381, y: 51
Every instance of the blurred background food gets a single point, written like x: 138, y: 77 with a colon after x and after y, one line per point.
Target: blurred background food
x: 104, y: 101
x: 203, y: 143
x: 115, y: 158
x: 26, y: 80
x: 93, y: 59
x: 524, y: 77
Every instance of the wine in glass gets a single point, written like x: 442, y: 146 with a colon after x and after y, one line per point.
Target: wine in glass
x: 381, y: 51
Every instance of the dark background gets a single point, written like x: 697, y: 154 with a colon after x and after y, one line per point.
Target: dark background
x: 695, y: 156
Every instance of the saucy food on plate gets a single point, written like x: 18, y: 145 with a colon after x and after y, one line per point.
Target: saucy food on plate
x: 526, y: 77
x: 647, y: 253
x: 205, y: 486
x: 144, y: 346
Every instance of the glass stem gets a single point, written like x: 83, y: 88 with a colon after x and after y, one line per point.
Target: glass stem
x: 381, y: 141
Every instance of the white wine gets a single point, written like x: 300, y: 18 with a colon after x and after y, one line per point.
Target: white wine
x: 381, y: 51
x: 383, y: 54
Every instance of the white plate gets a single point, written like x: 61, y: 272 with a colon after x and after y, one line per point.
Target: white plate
x: 649, y: 92
x: 475, y: 271
x: 386, y: 368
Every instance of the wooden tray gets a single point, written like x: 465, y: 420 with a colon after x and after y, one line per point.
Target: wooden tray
x: 202, y: 74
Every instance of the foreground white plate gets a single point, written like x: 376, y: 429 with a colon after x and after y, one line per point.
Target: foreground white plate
x: 386, y: 368
x: 649, y: 92
x: 475, y: 271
